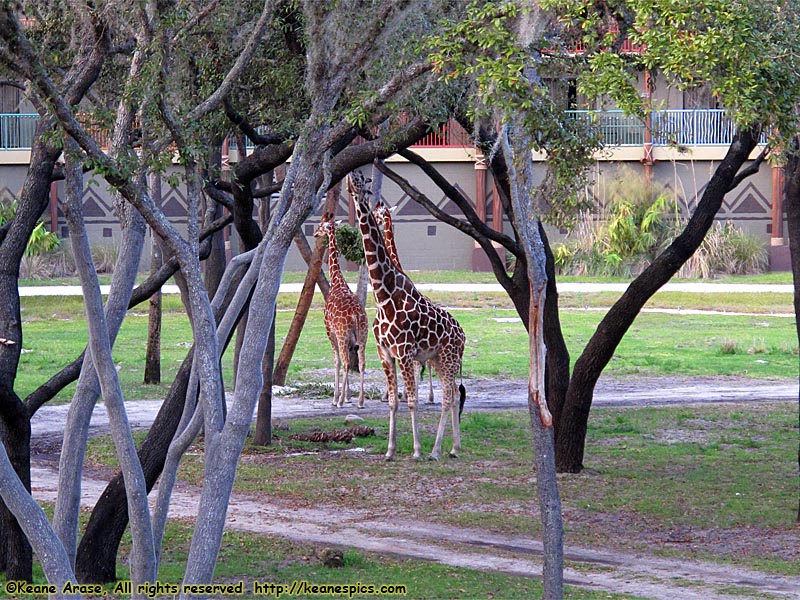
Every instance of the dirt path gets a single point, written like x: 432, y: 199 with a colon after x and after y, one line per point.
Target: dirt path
x: 635, y: 574
x: 599, y: 569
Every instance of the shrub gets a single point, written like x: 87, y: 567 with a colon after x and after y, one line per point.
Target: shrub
x: 636, y: 223
x: 726, y: 250
x: 627, y: 232
x: 43, y: 258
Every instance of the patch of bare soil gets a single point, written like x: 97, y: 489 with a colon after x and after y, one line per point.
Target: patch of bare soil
x: 618, y: 552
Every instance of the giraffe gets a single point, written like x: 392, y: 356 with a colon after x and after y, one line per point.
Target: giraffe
x: 383, y: 215
x: 345, y: 320
x: 409, y: 329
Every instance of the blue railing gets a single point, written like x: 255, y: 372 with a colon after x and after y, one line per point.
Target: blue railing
x: 691, y: 127
x: 16, y: 131
x: 671, y: 127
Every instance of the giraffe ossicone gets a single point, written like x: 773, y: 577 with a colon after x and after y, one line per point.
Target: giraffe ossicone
x: 409, y: 330
x: 345, y: 321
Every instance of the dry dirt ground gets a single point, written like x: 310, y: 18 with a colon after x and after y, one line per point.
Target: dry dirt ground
x: 598, y: 567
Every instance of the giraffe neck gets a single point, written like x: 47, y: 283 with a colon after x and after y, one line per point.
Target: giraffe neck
x: 334, y: 269
x: 388, y: 237
x: 382, y: 273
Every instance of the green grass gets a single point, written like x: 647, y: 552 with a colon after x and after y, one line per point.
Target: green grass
x: 727, y: 472
x: 488, y: 277
x: 253, y: 558
x: 54, y: 334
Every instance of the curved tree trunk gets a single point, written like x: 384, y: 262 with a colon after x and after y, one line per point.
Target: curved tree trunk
x: 15, y: 428
x: 152, y: 361
x: 571, y: 438
x: 792, y: 204
x: 557, y: 358
x: 97, y: 552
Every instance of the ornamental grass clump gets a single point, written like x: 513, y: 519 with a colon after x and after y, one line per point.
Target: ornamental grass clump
x: 639, y: 220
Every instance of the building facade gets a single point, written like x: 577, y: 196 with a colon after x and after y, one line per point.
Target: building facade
x: 678, y: 147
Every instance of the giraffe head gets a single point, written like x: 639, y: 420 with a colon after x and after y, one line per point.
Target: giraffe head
x: 383, y: 214
x: 359, y: 190
x: 326, y: 227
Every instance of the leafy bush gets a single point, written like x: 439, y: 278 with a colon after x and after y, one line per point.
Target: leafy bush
x: 42, y: 258
x: 625, y: 234
x: 637, y: 222
x: 348, y: 239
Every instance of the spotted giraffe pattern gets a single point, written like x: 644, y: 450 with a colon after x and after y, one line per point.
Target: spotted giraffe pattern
x: 409, y: 329
x: 383, y: 215
x: 345, y: 320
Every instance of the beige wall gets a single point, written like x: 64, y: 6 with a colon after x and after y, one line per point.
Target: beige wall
x: 425, y: 243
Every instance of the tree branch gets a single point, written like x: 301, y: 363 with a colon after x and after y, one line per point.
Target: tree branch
x: 497, y: 265
x: 462, y: 202
x: 751, y: 169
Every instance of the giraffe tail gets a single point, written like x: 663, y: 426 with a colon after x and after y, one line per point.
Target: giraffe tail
x: 352, y: 353
x: 462, y: 393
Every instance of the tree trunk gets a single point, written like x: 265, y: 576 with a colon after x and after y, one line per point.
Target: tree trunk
x: 263, y: 433
x: 313, y: 275
x: 571, y: 439
x: 15, y: 427
x: 517, y: 148
x: 17, y: 442
x: 215, y: 263
x: 792, y: 205
x: 557, y: 358
x: 152, y: 361
x: 97, y: 553
x: 35, y: 525
x: 143, y: 563
x: 224, y: 445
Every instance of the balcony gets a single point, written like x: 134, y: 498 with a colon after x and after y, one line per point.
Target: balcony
x: 669, y: 128
x: 16, y: 131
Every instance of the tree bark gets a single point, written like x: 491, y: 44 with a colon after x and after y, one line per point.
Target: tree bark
x: 152, y: 361
x: 97, y: 552
x: 15, y: 428
x: 517, y: 148
x: 263, y: 433
x: 143, y: 563
x: 792, y: 205
x: 571, y: 439
x: 33, y: 201
x: 313, y: 275
x: 96, y: 560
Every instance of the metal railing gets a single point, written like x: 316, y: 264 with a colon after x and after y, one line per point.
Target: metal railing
x: 671, y: 127
x: 16, y: 131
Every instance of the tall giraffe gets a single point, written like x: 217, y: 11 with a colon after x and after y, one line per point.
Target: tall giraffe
x: 345, y: 319
x: 409, y: 329
x: 383, y: 215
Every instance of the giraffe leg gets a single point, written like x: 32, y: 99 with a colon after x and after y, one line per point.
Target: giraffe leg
x: 388, y: 364
x: 456, y: 422
x: 430, y: 382
x: 408, y: 369
x: 336, y: 365
x: 361, y: 366
x: 447, y: 403
x: 344, y: 356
